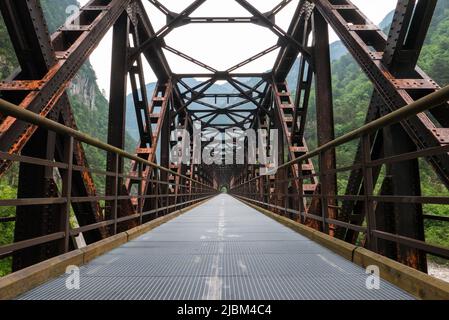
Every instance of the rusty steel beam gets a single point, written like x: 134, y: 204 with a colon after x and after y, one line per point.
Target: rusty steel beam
x: 299, y: 29
x: 325, y: 117
x: 29, y: 34
x: 159, y: 111
x: 189, y: 20
x: 411, y: 22
x: 279, y: 7
x: 253, y: 58
x: 72, y: 48
x: 283, y: 108
x: 173, y: 22
x: 189, y: 58
x: 155, y: 55
x: 117, y: 122
x: 34, y: 221
x: 36, y: 57
x: 361, y: 37
x: 400, y: 58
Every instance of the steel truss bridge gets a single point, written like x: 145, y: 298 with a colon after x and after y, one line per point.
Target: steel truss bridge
x: 380, y: 213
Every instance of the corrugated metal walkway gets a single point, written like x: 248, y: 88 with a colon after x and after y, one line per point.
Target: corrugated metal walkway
x: 220, y: 250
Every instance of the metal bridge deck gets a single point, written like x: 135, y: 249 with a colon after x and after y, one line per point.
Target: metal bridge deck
x: 222, y: 249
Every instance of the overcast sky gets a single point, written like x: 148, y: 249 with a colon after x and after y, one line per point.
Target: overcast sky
x: 220, y: 46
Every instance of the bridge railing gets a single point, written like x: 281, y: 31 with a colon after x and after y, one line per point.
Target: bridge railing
x: 157, y: 191
x: 285, y: 192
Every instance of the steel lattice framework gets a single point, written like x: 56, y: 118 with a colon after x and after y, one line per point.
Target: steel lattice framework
x: 301, y: 190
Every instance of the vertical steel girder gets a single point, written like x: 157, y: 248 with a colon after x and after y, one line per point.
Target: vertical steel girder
x: 405, y: 180
x: 34, y: 181
x: 401, y: 56
x: 117, y: 121
x: 325, y: 117
x: 34, y: 221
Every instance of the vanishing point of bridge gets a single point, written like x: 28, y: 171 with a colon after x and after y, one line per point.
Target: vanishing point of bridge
x: 147, y: 227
